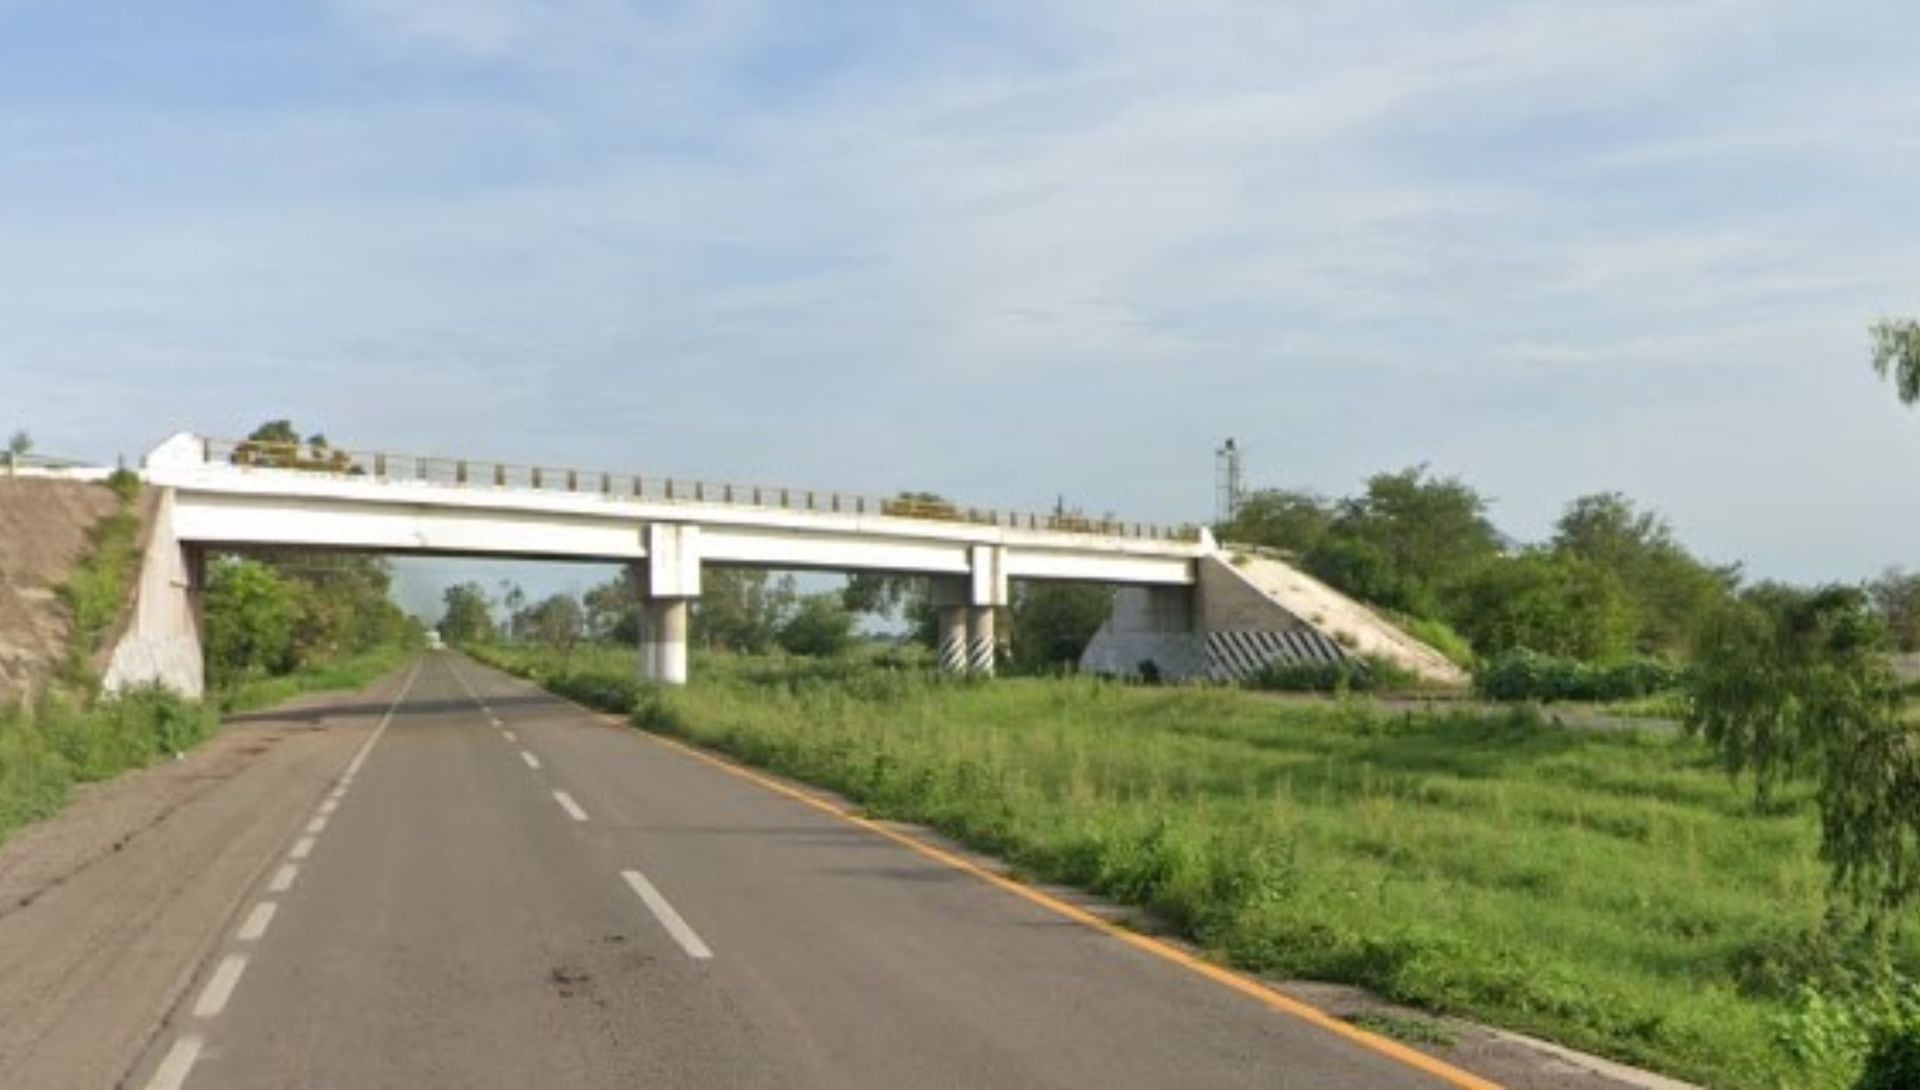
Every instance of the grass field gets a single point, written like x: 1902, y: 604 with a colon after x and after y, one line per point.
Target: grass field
x: 1610, y: 890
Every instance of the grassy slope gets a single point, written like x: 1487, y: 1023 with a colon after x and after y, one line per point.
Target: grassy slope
x: 1610, y: 890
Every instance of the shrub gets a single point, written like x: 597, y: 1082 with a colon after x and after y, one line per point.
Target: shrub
x: 821, y: 626
x: 609, y: 693
x: 1440, y: 636
x: 1894, y: 1063
x: 1529, y: 675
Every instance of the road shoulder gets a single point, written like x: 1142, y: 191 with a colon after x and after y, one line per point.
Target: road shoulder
x: 107, y: 908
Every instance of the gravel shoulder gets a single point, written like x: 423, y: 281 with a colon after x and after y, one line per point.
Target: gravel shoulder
x: 106, y: 908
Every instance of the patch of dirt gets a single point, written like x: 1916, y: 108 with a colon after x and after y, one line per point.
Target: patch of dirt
x: 44, y: 527
x: 105, y: 818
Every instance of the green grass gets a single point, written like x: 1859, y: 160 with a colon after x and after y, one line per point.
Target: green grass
x: 98, y: 585
x: 1610, y: 890
x: 338, y: 675
x: 48, y: 749
x: 1414, y: 1031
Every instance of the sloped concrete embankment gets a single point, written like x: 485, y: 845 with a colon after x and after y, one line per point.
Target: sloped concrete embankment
x: 1246, y: 612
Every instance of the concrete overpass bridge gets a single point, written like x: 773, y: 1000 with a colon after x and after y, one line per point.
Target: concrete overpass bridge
x: 1181, y: 606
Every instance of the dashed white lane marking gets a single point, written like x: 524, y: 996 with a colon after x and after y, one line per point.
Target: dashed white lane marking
x: 172, y: 1072
x: 668, y: 918
x: 571, y: 807
x: 532, y: 761
x: 257, y: 921
x: 366, y: 747
x: 509, y: 736
x: 496, y: 721
x: 213, y: 998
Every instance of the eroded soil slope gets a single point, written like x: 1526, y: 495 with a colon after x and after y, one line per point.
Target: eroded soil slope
x: 43, y: 533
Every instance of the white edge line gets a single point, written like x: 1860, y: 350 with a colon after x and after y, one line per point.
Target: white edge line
x: 213, y: 998
x: 668, y: 918
x: 257, y: 921
x: 172, y: 1072
x: 571, y: 807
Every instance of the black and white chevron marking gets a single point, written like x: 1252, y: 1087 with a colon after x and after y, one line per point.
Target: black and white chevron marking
x: 980, y: 656
x: 953, y: 655
x: 1235, y: 656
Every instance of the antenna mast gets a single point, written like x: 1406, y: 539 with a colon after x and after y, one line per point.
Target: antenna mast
x: 1229, y: 480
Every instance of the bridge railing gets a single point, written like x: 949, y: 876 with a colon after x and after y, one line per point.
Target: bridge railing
x: 470, y: 473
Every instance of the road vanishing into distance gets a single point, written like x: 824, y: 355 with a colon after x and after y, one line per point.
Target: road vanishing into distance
x: 493, y: 888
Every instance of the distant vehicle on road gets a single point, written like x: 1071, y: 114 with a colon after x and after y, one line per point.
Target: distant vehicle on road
x: 434, y: 642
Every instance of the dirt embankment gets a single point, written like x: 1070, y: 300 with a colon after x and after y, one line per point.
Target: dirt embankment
x: 44, y: 528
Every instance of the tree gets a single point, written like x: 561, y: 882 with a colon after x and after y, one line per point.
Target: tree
x: 1670, y: 589
x: 556, y: 621
x: 279, y: 432
x: 820, y: 626
x: 1053, y: 623
x: 1792, y: 682
x: 614, y: 608
x: 1290, y: 520
x: 1896, y: 354
x: 1548, y: 602
x: 277, y: 443
x: 741, y: 609
x: 1433, y: 530
x: 468, y: 617
x: 1896, y: 598
x: 250, y: 618
x: 20, y: 445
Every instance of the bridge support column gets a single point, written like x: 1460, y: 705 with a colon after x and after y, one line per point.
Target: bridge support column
x: 953, y: 638
x: 670, y: 579
x: 965, y: 606
x: 982, y: 647
x: 663, y: 647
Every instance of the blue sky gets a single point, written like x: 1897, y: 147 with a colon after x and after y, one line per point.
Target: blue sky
x: 1004, y: 251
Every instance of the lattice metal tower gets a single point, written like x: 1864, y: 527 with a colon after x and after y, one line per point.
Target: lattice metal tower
x: 1229, y: 480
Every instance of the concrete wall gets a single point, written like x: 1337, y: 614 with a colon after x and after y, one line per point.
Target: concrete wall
x: 1242, y: 614
x: 1149, y: 625
x: 162, y: 644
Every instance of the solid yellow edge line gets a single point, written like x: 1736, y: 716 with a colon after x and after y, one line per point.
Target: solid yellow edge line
x: 1245, y: 985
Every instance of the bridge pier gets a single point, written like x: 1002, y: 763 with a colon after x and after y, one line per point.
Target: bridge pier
x: 663, y: 641
x: 670, y: 581
x: 953, y: 637
x: 983, y: 649
x: 965, y: 605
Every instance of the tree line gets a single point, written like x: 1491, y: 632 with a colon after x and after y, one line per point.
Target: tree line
x: 751, y: 611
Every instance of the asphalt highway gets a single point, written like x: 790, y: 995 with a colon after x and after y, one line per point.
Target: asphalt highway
x: 502, y: 890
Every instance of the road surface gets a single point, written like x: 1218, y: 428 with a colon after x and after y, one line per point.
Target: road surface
x: 501, y: 890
